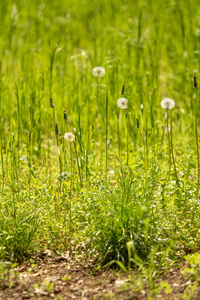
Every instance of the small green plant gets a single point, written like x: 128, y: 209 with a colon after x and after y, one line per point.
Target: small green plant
x: 45, y: 287
x: 193, y: 270
x: 189, y: 291
x: 18, y: 230
x: 48, y: 286
x: 7, y: 270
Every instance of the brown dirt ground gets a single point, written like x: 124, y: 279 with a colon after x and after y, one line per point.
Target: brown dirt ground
x: 60, y: 277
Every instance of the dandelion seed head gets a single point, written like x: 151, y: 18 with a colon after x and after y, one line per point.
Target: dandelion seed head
x: 167, y: 103
x: 122, y: 103
x: 98, y: 72
x: 70, y: 137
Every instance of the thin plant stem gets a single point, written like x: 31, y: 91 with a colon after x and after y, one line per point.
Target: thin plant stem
x: 143, y: 146
x: 70, y: 192
x: 58, y: 202
x: 2, y: 166
x: 169, y: 143
x: 60, y: 161
x: 29, y: 158
x: 97, y: 114
x: 66, y: 125
x: 88, y: 124
x: 54, y: 118
x: 65, y: 130
x: 97, y: 89
x: 18, y: 119
x: 172, y: 150
x: 106, y: 136
x: 59, y: 156
x: 127, y: 137
x: 52, y: 56
x: 102, y: 152
x: 97, y: 95
x: 88, y: 140
x: 78, y: 165
x: 197, y: 143
x: 119, y: 146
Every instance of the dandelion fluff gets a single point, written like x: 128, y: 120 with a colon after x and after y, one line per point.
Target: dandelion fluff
x: 167, y: 103
x: 122, y: 103
x: 70, y: 137
x: 98, y: 72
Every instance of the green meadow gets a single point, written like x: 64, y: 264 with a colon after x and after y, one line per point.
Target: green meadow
x: 125, y: 191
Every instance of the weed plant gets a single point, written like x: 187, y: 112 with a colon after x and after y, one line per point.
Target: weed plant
x: 112, y: 187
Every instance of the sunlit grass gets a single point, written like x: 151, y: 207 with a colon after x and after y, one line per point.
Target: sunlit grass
x: 112, y: 186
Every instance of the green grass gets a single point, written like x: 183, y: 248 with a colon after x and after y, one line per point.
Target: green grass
x: 100, y: 199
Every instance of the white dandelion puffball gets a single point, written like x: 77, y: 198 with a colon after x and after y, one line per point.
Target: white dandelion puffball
x: 167, y: 103
x: 70, y: 137
x: 98, y: 71
x: 122, y: 103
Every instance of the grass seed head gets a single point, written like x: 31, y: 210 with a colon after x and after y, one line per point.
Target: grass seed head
x: 65, y: 114
x: 138, y: 124
x: 123, y: 92
x: 56, y: 129
x: 195, y: 83
x: 51, y: 103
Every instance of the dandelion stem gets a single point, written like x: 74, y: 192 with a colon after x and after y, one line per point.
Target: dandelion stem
x: 172, y: 149
x: 78, y: 165
x: 119, y: 137
x: 97, y: 97
x: 169, y: 143
x: 29, y: 158
x: 127, y: 136
x: 65, y: 163
x: 106, y: 135
x: 98, y: 90
x: 70, y: 191
x: 197, y: 142
x: 18, y: 119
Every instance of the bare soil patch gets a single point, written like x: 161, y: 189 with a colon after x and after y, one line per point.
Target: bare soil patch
x: 60, y: 277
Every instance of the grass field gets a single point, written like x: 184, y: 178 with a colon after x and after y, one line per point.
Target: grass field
x: 126, y: 191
